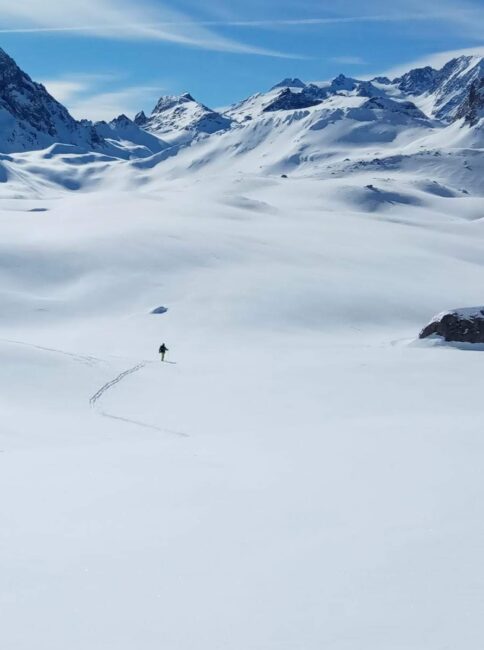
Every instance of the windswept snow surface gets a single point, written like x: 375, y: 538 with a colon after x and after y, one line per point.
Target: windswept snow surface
x: 306, y: 475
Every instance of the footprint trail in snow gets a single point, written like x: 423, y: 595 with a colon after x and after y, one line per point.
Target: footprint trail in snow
x: 94, y: 400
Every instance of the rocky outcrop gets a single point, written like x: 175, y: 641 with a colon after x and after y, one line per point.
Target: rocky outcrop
x: 417, y: 81
x: 289, y: 101
x: 473, y: 108
x: 459, y: 325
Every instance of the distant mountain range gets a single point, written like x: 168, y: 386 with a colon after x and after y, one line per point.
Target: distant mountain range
x: 422, y: 102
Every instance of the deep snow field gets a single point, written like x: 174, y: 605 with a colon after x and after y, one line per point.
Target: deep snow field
x: 306, y: 476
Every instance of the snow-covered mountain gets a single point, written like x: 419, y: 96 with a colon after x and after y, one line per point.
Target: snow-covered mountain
x: 318, y: 127
x: 181, y: 118
x: 30, y: 118
x: 444, y: 93
x: 441, y: 95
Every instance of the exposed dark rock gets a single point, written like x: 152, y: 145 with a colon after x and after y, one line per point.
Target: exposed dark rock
x: 387, y: 104
x: 459, y: 325
x: 341, y: 82
x: 289, y: 101
x: 140, y: 119
x: 382, y: 80
x: 367, y: 89
x: 456, y: 81
x: 121, y: 121
x: 418, y: 81
x: 160, y: 310
x: 472, y: 110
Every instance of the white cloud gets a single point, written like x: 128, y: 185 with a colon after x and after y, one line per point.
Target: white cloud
x: 436, y: 60
x: 107, y: 105
x: 64, y: 90
x: 454, y: 12
x: 121, y: 19
x: 68, y: 87
x: 86, y: 97
x: 154, y: 20
x: 459, y: 17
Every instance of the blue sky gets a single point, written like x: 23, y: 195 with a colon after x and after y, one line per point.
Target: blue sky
x: 103, y: 57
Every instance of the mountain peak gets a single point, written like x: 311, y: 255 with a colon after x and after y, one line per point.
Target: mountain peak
x: 385, y: 81
x: 175, y: 117
x: 417, y: 81
x: 140, y: 118
x: 31, y: 118
x: 455, y: 82
x: 170, y: 101
x: 341, y: 82
x: 122, y: 120
x: 289, y: 83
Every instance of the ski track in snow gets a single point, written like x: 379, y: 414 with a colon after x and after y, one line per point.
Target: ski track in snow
x: 92, y: 361
x: 110, y: 384
x: 97, y: 396
x: 82, y: 358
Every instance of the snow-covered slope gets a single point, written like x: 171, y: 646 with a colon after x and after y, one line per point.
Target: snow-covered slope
x: 126, y: 138
x: 301, y: 452
x: 303, y: 473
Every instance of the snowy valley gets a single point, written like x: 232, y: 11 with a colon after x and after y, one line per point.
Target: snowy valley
x: 304, y: 473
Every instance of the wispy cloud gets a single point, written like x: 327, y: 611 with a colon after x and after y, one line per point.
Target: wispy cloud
x: 394, y: 17
x: 120, y: 19
x: 85, y: 95
x: 69, y: 87
x: 155, y: 20
x: 460, y: 17
x: 106, y: 106
x: 130, y: 19
x: 436, y: 60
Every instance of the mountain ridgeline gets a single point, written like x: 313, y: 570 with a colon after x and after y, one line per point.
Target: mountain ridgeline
x: 423, y: 101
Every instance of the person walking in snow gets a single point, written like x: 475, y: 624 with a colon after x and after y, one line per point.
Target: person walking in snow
x: 163, y: 351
